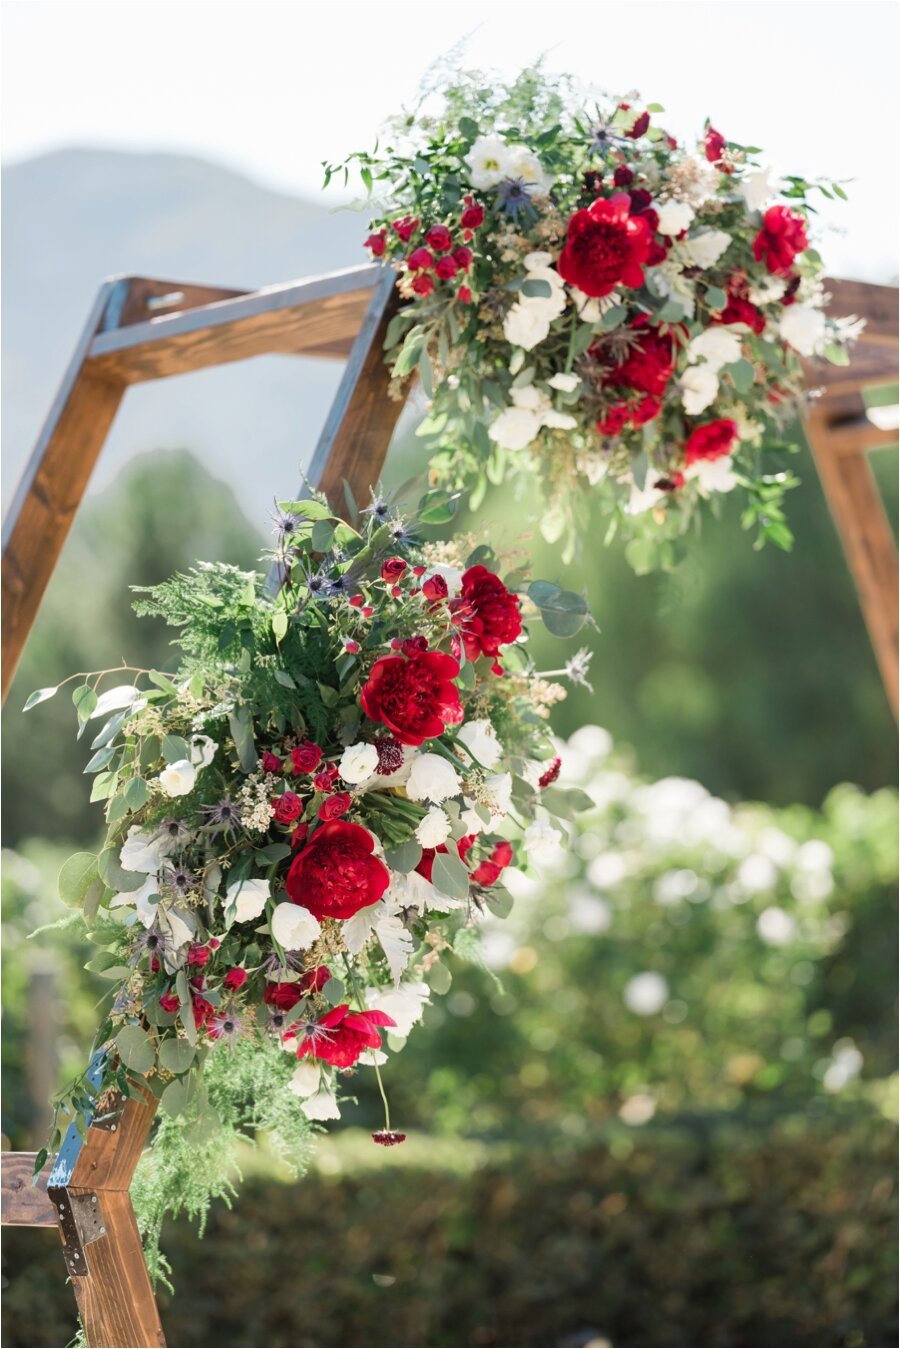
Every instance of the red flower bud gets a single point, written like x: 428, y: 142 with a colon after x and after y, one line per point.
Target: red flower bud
x: 170, y: 1001
x: 446, y: 268
x: 351, y: 647
x: 405, y: 228
x: 236, y: 978
x: 439, y: 238
x: 435, y: 589
x: 473, y: 215
x: 271, y: 763
x: 462, y: 256
x: 419, y: 259
x: 376, y: 244
x: 464, y: 295
x: 357, y: 601
x: 423, y: 284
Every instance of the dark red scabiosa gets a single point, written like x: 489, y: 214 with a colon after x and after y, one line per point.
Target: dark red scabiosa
x: 334, y: 806
x: 405, y: 228
x: 713, y: 440
x: 236, y: 977
x: 393, y: 569
x: 288, y: 808
x: 420, y: 259
x: 388, y: 1138
x: 306, y: 757
x: 550, y: 775
x: 623, y: 176
x: 670, y: 484
x: 490, y: 613
x: 439, y: 238
x: 413, y: 696
x: 341, y: 1036
x: 337, y: 873
x: 376, y: 244
x: 390, y: 756
x: 606, y: 247
x: 473, y: 214
x: 782, y: 237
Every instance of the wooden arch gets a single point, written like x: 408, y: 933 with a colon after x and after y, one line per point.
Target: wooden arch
x: 142, y: 329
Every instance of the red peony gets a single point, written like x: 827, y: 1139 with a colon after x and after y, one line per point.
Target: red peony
x: 288, y: 808
x: 306, y: 757
x: 473, y: 215
x: 782, y: 237
x: 170, y: 1002
x: 283, y: 996
x: 420, y: 260
x: 337, y: 873
x: 334, y: 806
x: 710, y: 441
x: 491, y: 617
x: 405, y: 228
x: 341, y: 1036
x: 606, y: 247
x: 439, y: 238
x: 393, y: 569
x: 236, y: 978
x: 715, y: 145
x: 413, y: 695
x: 376, y: 244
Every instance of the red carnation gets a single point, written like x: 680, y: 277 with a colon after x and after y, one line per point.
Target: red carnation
x: 337, y: 873
x: 334, y: 806
x: 435, y: 588
x: 413, y: 696
x: 423, y: 284
x: 341, y: 1036
x: 271, y: 763
x: 446, y: 268
x: 614, y: 420
x: 462, y: 256
x: 236, y: 977
x: 288, y: 808
x: 420, y: 260
x: 715, y: 146
x: 473, y: 215
x: 439, y: 238
x: 282, y: 996
x: 782, y: 237
x: 710, y: 441
x: 170, y: 1002
x: 606, y: 246
x: 376, y: 244
x: 393, y: 569
x: 405, y: 228
x: 490, y: 613
x: 306, y: 757
x: 645, y: 410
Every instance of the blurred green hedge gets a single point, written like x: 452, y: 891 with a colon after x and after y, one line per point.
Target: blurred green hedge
x: 700, y: 1233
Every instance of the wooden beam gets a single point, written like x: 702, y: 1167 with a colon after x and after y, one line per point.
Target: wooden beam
x: 318, y: 316
x: 878, y: 305
x: 25, y: 1204
x: 859, y: 515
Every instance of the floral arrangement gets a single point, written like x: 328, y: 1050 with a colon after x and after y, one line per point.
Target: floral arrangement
x: 588, y: 300
x: 313, y: 810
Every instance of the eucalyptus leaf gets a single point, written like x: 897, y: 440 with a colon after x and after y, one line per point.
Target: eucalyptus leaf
x: 406, y: 857
x: 175, y: 748
x: 39, y: 696
x: 176, y: 1056
x: 76, y: 876
x: 449, y: 876
x: 136, y: 1049
x: 176, y: 1098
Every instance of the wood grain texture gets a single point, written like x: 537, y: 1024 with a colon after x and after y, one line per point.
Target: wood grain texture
x: 141, y: 298
x: 24, y: 1204
x: 878, y: 305
x: 114, y: 1296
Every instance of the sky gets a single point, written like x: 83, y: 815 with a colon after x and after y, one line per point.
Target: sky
x: 273, y: 87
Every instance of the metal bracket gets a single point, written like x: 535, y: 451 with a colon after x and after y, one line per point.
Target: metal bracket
x: 80, y: 1221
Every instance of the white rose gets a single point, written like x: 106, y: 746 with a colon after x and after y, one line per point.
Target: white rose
x: 699, y: 386
x: 704, y: 250
x: 358, y: 762
x: 713, y: 475
x: 141, y: 852
x: 251, y: 898
x: 803, y: 328
x: 564, y: 382
x: 433, y: 829
x: 526, y: 324
x: 480, y: 739
x: 542, y: 843
x: 293, y: 927
x: 306, y: 1078
x: 758, y: 187
x: 717, y: 346
x: 674, y: 216
x: 529, y: 396
x: 179, y: 778
x: 515, y: 428
x: 432, y: 778
x: 488, y: 162
x: 321, y: 1106
x: 203, y: 751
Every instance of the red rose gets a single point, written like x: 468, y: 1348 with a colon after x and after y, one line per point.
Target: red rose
x: 405, y: 228
x: 623, y: 177
x: 491, y: 617
x: 170, y: 1002
x: 462, y: 256
x: 606, y: 246
x: 393, y: 569
x: 420, y: 260
x: 271, y: 763
x: 488, y: 871
x: 334, y: 806
x: 640, y: 126
x: 282, y: 996
x: 435, y: 588
x: 324, y: 781
x: 198, y: 955
x: 306, y: 757
x: 376, y: 244
x: 300, y: 835
x: 237, y: 977
x: 439, y: 238
x: 472, y: 216
x: 413, y: 696
x: 552, y: 773
x: 423, y: 284
x: 710, y: 441
x: 203, y: 1010
x: 782, y: 237
x: 314, y: 980
x: 337, y: 874
x: 341, y: 1036
x: 288, y: 808
x: 715, y: 145
x: 446, y: 268
x: 464, y: 295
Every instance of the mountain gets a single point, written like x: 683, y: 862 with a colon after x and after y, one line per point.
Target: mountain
x: 75, y: 217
